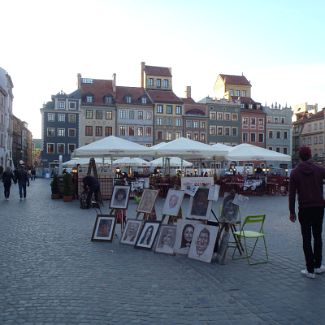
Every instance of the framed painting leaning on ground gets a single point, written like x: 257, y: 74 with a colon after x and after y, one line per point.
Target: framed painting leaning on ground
x: 166, y: 239
x: 104, y: 228
x: 148, y: 235
x: 131, y: 231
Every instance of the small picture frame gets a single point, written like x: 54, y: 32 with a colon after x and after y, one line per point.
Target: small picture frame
x: 120, y: 197
x: 104, y: 228
x: 131, y: 232
x: 148, y: 235
x: 229, y: 210
x: 200, y: 206
x: 147, y: 201
x: 184, y: 234
x: 166, y: 239
x: 203, y: 242
x: 173, y: 202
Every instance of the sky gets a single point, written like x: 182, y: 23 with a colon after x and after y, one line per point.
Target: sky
x: 277, y: 44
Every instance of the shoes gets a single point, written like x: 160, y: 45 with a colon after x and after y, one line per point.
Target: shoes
x: 307, y: 274
x: 320, y: 269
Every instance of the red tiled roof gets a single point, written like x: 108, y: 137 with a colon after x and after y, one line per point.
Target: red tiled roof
x: 99, y: 88
x: 134, y: 92
x: 317, y: 116
x: 188, y: 100
x: 243, y: 100
x: 195, y: 109
x: 164, y: 96
x: 157, y: 71
x: 235, y: 80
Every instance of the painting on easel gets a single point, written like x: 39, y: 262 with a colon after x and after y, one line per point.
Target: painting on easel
x: 120, y: 197
x: 147, y: 201
x: 173, y: 202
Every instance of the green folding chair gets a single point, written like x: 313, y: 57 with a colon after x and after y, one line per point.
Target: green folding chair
x: 252, y: 230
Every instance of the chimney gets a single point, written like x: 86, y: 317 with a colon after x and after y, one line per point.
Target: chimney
x: 114, y: 83
x: 188, y: 92
x: 142, y: 73
x: 79, y: 80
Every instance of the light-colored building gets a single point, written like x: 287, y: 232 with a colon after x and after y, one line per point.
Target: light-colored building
x: 229, y: 86
x: 6, y: 100
x: 298, y: 109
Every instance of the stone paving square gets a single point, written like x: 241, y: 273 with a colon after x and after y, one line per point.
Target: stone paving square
x: 52, y: 273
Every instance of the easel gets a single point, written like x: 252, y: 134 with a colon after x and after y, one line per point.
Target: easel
x: 147, y: 216
x: 92, y: 166
x: 120, y: 214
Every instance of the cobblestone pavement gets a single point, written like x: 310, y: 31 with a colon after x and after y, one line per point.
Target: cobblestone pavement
x: 51, y: 273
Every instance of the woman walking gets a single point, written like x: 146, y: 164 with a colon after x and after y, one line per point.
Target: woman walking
x: 7, y: 176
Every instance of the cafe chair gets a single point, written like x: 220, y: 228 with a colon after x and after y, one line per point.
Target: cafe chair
x: 251, y: 232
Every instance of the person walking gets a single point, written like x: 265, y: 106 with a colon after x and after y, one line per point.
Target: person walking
x: 22, y: 179
x: 306, y: 180
x: 7, y: 177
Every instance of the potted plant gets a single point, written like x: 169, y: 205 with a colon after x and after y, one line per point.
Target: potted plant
x: 55, y: 187
x: 67, y: 187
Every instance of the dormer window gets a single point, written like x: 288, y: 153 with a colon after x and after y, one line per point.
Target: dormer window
x: 108, y: 100
x: 89, y: 99
x: 158, y: 83
x: 143, y: 100
x: 61, y: 104
x: 166, y: 83
x: 128, y: 99
x: 150, y: 82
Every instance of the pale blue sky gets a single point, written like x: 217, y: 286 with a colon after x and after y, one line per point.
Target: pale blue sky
x: 278, y: 45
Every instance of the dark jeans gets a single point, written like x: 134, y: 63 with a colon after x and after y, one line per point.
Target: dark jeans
x: 22, y: 188
x: 92, y: 191
x: 7, y: 190
x: 311, y: 222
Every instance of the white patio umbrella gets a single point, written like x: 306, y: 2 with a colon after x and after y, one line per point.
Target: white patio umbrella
x: 183, y: 147
x: 83, y: 161
x: 112, y: 147
x: 173, y: 162
x: 246, y: 152
x: 221, y: 147
x: 131, y: 162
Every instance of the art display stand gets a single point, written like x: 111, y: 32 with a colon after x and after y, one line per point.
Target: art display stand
x: 147, y: 216
x: 120, y: 215
x: 92, y: 166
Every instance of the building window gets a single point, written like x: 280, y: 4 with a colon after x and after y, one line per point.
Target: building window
x: 72, y: 132
x: 143, y: 100
x: 159, y: 121
x: 131, y: 115
x: 169, y: 136
x: 282, y: 120
x: 169, y: 109
x: 243, y: 93
x: 50, y: 148
x: 72, y: 118
x: 227, y: 116
x: 108, y: 100
x: 122, y: 130
x: 148, y: 131
x: 227, y: 131
x: 269, y: 119
x: 61, y: 117
x: 108, y: 115
x: 234, y: 132
x: 158, y: 83
x: 89, y: 114
x: 128, y: 99
x: 253, y: 121
x: 178, y: 122
x: 61, y: 105
x: 261, y: 137
x: 231, y: 92
x: 71, y: 147
x: 72, y: 105
x: 123, y: 114
x: 178, y: 135
x: 270, y: 134
x: 253, y: 137
x: 245, y: 121
x: 131, y: 131
x: 285, y: 150
x: 260, y: 121
x: 89, y: 99
x: 170, y: 121
x: 108, y: 131
x: 202, y: 125
x: 234, y: 117
x: 159, y: 135
x: 270, y: 148
x: 212, y: 130
x: 99, y: 131
x: 238, y: 93
x: 99, y: 115
x: 160, y: 109
x: 61, y: 132
x: 245, y: 137
x: 196, y: 136
x: 285, y: 135
x: 148, y: 115
x: 219, y: 130
x: 203, y: 137
x: 315, y: 139
x: 276, y: 121
x: 188, y: 124
x: 166, y: 83
x: 150, y: 82
x: 277, y: 149
x: 50, y: 132
x: 51, y: 117
x: 212, y: 115
x: 220, y: 116
x: 320, y: 139
x: 195, y: 124
x: 178, y: 110
x: 278, y: 135
x: 89, y: 131
x: 188, y: 135
x: 140, y: 115
x: 61, y: 148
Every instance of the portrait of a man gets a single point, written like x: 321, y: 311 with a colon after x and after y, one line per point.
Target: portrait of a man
x: 120, y: 197
x: 203, y: 242
x: 173, y: 202
x: 131, y: 232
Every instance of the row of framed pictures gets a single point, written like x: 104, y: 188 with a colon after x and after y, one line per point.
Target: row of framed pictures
x: 200, y: 203
x: 188, y: 237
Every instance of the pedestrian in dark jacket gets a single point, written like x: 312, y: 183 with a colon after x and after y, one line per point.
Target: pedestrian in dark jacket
x: 7, y: 177
x: 91, y: 185
x: 23, y: 181
x: 306, y: 180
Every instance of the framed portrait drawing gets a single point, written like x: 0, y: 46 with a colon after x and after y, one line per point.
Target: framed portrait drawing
x: 120, y: 197
x: 104, y: 228
x: 147, y: 235
x: 200, y: 206
x: 229, y: 210
x: 184, y: 235
x: 202, y: 245
x: 131, y: 232
x: 173, y: 202
x: 147, y: 201
x: 166, y: 239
